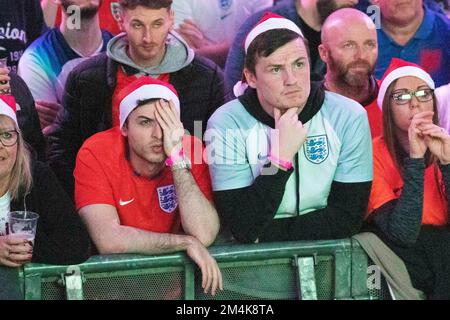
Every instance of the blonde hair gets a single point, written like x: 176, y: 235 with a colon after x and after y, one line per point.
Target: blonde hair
x: 20, y: 179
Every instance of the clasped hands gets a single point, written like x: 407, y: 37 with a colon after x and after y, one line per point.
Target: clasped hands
x: 425, y: 135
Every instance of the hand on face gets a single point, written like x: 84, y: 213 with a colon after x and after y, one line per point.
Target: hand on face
x: 211, y: 275
x: 289, y: 134
x: 14, y: 252
x: 173, y: 130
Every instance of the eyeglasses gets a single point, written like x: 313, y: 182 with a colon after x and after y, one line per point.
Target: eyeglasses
x: 404, y: 96
x: 9, y: 138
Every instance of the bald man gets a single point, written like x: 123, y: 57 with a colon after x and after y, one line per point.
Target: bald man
x: 350, y: 50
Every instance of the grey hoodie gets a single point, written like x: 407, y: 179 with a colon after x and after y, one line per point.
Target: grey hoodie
x: 178, y: 54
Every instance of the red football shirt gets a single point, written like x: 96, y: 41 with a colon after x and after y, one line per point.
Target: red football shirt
x: 104, y: 176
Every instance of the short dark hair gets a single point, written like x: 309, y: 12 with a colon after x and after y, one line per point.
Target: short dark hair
x: 150, y: 4
x: 267, y: 43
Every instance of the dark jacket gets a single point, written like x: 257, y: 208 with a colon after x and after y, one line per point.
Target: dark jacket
x: 87, y: 106
x: 27, y: 116
x: 61, y: 237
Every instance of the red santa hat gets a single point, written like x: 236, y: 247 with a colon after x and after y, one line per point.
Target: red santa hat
x: 144, y: 88
x: 398, y: 69
x: 270, y: 21
x: 8, y: 107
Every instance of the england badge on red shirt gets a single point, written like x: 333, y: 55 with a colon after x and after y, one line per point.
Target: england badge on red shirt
x: 167, y: 198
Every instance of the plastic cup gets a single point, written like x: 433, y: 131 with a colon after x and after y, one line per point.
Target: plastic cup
x: 22, y: 224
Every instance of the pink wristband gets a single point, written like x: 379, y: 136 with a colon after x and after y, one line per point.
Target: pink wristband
x: 285, y: 164
x: 170, y: 161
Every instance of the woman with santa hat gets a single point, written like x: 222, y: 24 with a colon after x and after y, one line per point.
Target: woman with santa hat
x: 29, y: 185
x: 408, y: 205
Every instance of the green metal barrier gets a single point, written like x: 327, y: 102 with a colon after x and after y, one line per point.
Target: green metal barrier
x: 10, y: 287
x: 289, y: 270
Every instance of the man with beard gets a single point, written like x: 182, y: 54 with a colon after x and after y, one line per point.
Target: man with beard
x: 308, y: 15
x: 349, y: 48
x: 46, y: 64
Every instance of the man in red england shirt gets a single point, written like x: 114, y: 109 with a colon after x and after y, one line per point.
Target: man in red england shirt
x: 138, y: 186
